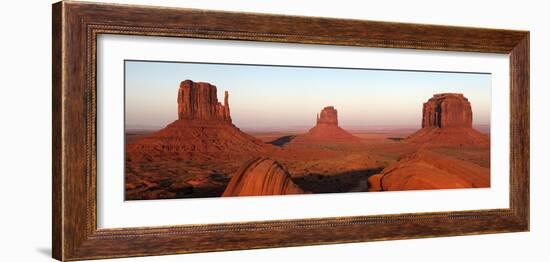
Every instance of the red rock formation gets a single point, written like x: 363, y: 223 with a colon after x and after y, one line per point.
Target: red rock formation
x: 447, y: 110
x: 447, y: 119
x: 203, y: 125
x: 199, y: 101
x: 326, y: 129
x: 261, y: 177
x: 195, y: 136
x: 328, y: 116
x: 203, y: 139
x: 429, y: 170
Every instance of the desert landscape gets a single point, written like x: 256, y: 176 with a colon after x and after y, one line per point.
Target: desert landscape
x: 203, y: 153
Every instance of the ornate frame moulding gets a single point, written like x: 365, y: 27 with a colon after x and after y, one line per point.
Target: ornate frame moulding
x: 76, y: 26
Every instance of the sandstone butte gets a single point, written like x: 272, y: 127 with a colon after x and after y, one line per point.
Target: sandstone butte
x: 199, y: 101
x: 326, y: 129
x: 425, y: 169
x: 259, y: 177
x: 447, y: 120
x: 203, y: 125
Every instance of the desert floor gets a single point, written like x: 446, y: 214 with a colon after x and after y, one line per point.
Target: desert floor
x: 315, y: 167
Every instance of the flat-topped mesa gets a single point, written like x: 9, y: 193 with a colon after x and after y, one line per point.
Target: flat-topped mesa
x: 199, y: 101
x: 447, y: 120
x: 328, y: 116
x: 447, y: 110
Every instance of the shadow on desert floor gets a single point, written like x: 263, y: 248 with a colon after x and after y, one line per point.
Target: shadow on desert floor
x: 348, y: 181
x: 281, y: 141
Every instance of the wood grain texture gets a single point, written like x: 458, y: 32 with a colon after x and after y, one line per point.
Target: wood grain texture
x: 57, y: 195
x: 76, y: 27
x: 519, y: 129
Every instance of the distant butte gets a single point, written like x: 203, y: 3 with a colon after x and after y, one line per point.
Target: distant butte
x: 328, y: 116
x: 326, y: 129
x: 447, y: 119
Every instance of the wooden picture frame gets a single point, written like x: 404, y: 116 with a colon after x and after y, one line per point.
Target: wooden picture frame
x: 76, y: 26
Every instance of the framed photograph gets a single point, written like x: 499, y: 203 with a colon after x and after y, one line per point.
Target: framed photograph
x: 182, y: 130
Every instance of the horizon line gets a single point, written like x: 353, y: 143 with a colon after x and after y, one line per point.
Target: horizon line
x: 301, y: 127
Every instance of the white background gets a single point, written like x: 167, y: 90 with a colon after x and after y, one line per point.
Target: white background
x: 25, y: 147
x: 114, y: 212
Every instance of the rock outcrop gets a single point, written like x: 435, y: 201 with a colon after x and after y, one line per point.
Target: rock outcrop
x: 447, y: 120
x: 447, y: 110
x: 328, y: 116
x: 199, y: 101
x: 260, y: 177
x: 425, y: 169
x: 203, y: 125
x: 326, y: 129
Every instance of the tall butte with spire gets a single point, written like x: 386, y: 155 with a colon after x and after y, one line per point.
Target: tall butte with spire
x: 326, y: 129
x: 203, y: 125
x: 158, y: 164
x: 447, y: 119
x: 199, y: 101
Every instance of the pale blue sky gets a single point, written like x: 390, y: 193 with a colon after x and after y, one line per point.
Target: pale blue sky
x: 278, y: 97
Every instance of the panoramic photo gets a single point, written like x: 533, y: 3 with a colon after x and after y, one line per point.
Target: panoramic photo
x: 197, y: 130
